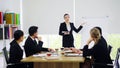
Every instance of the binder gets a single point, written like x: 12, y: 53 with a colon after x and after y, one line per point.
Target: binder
x: 1, y: 17
x: 9, y: 17
x: 1, y: 33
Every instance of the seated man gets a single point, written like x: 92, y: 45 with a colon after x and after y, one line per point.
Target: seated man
x: 31, y: 46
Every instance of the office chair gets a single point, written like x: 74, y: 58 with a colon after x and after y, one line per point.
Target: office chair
x: 10, y: 65
x: 109, y: 49
x: 117, y: 64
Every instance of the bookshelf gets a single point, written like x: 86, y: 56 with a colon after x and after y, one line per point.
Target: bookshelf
x: 7, y: 31
x: 11, y: 6
x: 9, y: 23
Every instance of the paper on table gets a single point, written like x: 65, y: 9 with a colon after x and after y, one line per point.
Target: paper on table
x: 39, y: 55
x: 73, y: 54
x: 67, y: 51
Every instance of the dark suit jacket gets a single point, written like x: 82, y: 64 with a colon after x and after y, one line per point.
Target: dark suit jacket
x: 32, y: 48
x: 99, y: 52
x: 16, y: 53
x: 68, y: 40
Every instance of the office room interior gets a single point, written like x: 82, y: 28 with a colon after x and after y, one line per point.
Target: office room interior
x: 48, y: 14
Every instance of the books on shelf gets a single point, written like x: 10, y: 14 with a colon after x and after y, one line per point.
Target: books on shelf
x: 1, y: 33
x: 10, y: 21
x: 18, y: 19
x: 9, y: 17
x: 9, y: 32
x: 12, y: 18
x: 1, y: 17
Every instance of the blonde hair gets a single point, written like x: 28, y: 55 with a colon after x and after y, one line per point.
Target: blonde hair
x: 95, y: 33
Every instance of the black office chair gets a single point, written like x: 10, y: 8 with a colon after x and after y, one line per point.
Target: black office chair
x: 116, y: 63
x: 109, y: 49
x: 10, y: 65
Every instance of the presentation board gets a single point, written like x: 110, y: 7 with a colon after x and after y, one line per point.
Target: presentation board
x: 46, y: 14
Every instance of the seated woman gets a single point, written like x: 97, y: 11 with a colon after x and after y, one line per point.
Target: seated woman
x: 99, y: 51
x: 16, y: 53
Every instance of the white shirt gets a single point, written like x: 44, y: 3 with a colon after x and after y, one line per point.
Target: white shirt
x: 68, y: 26
x: 34, y: 39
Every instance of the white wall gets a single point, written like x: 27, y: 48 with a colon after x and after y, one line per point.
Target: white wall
x: 11, y: 5
x: 99, y: 9
x: 103, y: 13
x: 46, y: 14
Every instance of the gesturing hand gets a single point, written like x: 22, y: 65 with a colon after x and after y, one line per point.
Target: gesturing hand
x: 66, y: 33
x: 39, y: 38
x: 83, y: 23
x: 51, y: 50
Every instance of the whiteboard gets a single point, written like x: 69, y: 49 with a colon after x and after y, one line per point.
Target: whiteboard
x: 46, y: 14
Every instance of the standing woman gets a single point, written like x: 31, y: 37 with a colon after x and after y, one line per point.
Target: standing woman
x: 65, y: 30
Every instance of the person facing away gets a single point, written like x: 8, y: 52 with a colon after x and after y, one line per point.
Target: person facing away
x: 65, y: 30
x: 99, y: 51
x: 16, y: 53
x: 31, y: 46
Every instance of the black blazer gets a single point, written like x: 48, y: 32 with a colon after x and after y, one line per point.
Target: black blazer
x: 99, y: 52
x: 68, y: 40
x: 16, y: 53
x: 32, y: 48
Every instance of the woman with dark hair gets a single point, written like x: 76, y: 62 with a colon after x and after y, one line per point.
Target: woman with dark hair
x: 66, y: 29
x: 16, y: 53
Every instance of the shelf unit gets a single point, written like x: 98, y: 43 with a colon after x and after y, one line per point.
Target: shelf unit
x: 11, y: 28
x: 8, y: 6
x: 10, y: 23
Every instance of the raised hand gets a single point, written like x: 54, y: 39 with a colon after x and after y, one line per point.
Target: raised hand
x: 83, y: 23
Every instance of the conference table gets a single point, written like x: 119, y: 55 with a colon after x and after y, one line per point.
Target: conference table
x: 61, y: 62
